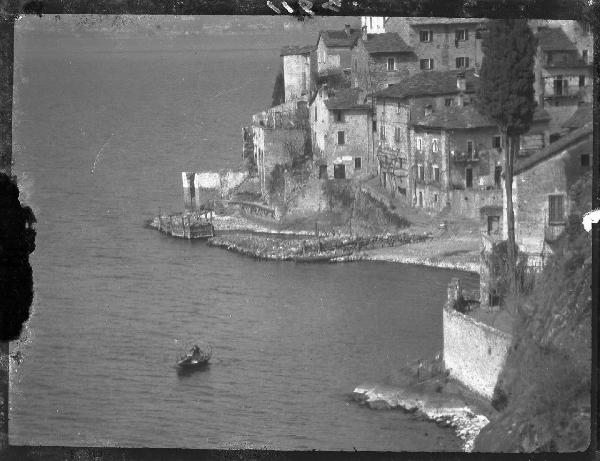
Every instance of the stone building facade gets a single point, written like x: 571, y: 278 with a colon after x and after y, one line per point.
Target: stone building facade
x: 396, y: 109
x: 277, y: 133
x: 456, y: 150
x: 442, y: 43
x: 563, y: 74
x: 342, y: 138
x: 334, y: 48
x: 381, y: 59
x: 296, y: 71
x: 541, y: 187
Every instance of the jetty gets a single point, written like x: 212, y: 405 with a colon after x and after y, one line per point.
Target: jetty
x: 189, y: 225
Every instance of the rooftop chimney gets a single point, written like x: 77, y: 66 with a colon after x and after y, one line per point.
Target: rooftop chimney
x: 364, y: 33
x: 347, y: 29
x: 461, y: 81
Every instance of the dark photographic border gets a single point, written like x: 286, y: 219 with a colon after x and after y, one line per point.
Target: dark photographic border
x: 304, y: 10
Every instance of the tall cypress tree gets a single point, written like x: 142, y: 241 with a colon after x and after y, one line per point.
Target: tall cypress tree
x: 278, y: 90
x: 506, y: 95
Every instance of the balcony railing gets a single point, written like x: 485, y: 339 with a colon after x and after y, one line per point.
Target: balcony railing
x: 465, y: 156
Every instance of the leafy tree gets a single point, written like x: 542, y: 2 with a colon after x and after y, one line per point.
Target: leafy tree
x: 278, y: 90
x: 506, y: 95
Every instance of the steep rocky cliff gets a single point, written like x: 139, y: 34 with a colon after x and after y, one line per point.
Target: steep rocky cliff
x: 544, y: 391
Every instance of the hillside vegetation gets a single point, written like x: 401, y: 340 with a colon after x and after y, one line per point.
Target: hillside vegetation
x: 544, y: 392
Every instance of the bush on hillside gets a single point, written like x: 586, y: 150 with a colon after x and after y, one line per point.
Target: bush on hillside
x: 339, y: 193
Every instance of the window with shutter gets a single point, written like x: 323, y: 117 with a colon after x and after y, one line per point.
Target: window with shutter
x: 555, y: 209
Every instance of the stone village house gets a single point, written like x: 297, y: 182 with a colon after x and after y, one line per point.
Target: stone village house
x: 541, y: 187
x: 296, y: 62
x: 379, y: 60
x: 276, y: 134
x: 342, y: 137
x: 396, y: 108
x: 541, y: 202
x: 334, y: 49
x: 439, y: 43
x: 457, y: 159
x: 433, y: 143
x: 563, y: 75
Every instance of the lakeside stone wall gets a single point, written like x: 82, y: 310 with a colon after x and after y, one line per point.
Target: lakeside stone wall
x: 474, y: 353
x: 201, y: 188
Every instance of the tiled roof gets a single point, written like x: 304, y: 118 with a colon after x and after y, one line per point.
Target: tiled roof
x: 347, y: 98
x: 429, y: 83
x: 294, y: 50
x: 389, y: 42
x: 582, y: 115
x: 554, y: 39
x: 339, y: 38
x: 455, y: 117
x: 426, y: 21
x: 465, y: 117
x: 555, y: 148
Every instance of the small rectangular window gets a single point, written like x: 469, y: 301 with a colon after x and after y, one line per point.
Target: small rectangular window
x: 584, y: 55
x: 585, y: 160
x: 421, y: 172
x: 322, y: 171
x: 397, y: 134
x: 493, y: 227
x: 398, y: 107
x: 469, y: 147
x: 436, y: 173
x: 339, y: 116
x: 460, y: 63
x: 425, y: 35
x: 391, y: 64
x: 426, y: 64
x: 448, y: 101
x: 341, y: 138
x: 382, y: 132
x: 581, y: 80
x: 555, y: 209
x: 496, y: 142
x: 461, y: 35
x: 374, y: 126
x: 434, y: 145
x: 357, y: 163
x: 419, y: 144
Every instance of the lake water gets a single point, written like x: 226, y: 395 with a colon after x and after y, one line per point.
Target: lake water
x: 114, y: 301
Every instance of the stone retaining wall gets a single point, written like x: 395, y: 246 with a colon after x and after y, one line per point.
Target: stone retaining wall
x: 474, y: 353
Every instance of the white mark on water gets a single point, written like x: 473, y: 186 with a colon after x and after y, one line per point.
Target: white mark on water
x: 99, y: 153
x: 591, y: 217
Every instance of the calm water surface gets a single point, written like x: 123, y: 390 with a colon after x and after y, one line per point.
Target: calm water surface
x: 114, y: 301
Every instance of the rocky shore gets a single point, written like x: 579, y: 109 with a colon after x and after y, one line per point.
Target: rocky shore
x: 448, y: 412
x: 308, y: 248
